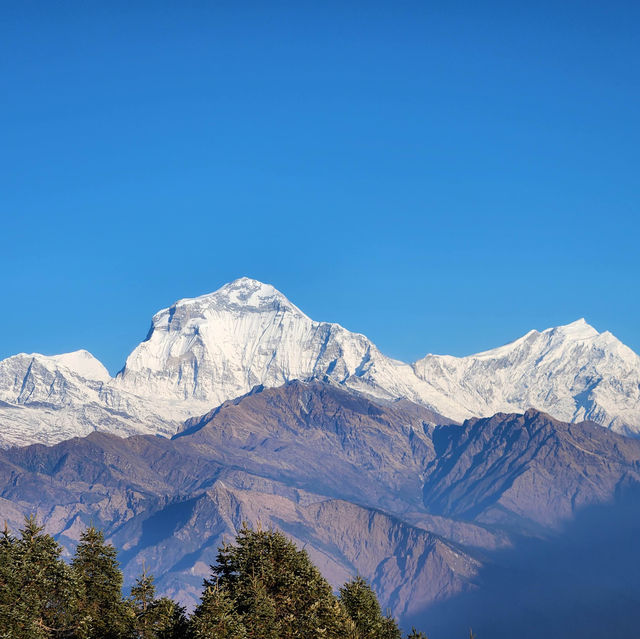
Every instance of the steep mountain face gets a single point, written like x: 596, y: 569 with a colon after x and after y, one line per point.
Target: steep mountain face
x: 203, y: 351
x: 376, y: 490
x: 327, y: 439
x: 572, y: 372
x: 526, y: 470
x: 52, y: 398
x: 206, y: 350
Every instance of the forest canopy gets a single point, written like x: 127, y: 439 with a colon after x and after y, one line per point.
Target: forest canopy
x: 261, y: 587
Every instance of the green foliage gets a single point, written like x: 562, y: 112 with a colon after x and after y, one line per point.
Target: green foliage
x: 96, y: 568
x: 389, y: 628
x: 216, y: 617
x: 9, y: 583
x: 361, y: 604
x: 168, y: 619
x: 155, y: 618
x: 260, y: 615
x: 262, y: 587
x: 38, y: 592
x: 143, y: 595
x: 416, y: 634
x: 270, y: 580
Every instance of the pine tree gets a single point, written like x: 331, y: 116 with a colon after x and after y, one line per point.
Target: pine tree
x: 262, y: 587
x: 142, y: 597
x: 169, y: 620
x: 361, y: 604
x: 9, y: 586
x: 216, y: 617
x: 303, y: 601
x: 416, y: 634
x: 37, y: 590
x: 156, y: 618
x: 389, y: 628
x: 96, y: 568
x: 259, y: 616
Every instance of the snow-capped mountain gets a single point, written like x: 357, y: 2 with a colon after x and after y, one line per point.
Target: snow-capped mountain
x: 216, y: 347
x: 47, y: 399
x: 205, y: 350
x: 572, y: 372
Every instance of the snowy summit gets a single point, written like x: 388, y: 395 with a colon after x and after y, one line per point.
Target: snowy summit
x: 205, y: 350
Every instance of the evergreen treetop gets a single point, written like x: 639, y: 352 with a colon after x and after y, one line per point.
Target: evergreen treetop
x: 262, y: 587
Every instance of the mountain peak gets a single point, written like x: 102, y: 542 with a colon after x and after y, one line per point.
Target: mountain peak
x: 251, y: 293
x: 204, y: 350
x: 243, y: 294
x: 579, y: 329
x: 83, y: 363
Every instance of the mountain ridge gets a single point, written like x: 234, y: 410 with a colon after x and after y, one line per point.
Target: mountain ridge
x: 203, y: 351
x: 376, y: 489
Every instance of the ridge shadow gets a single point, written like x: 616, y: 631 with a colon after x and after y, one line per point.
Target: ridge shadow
x: 582, y: 582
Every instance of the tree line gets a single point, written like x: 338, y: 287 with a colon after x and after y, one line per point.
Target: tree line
x: 261, y: 587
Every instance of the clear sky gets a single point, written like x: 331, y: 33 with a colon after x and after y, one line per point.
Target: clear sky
x: 441, y: 176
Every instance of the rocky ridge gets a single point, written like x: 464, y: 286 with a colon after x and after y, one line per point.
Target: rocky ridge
x: 376, y: 490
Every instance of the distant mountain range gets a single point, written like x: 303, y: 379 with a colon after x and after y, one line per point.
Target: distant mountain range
x: 378, y: 490
x: 268, y: 416
x: 201, y: 352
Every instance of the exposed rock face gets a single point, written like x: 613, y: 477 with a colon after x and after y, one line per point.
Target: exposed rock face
x: 219, y: 346
x: 369, y: 489
x: 299, y: 458
x: 324, y: 438
x: 519, y: 470
x: 203, y: 351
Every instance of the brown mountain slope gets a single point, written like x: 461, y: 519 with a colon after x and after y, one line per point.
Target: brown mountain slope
x: 380, y: 490
x: 274, y: 456
x: 526, y: 470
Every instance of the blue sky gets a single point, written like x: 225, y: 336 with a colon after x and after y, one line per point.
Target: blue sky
x: 441, y: 176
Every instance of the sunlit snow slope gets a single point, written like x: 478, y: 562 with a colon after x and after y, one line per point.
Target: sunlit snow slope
x: 572, y: 372
x: 203, y: 351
